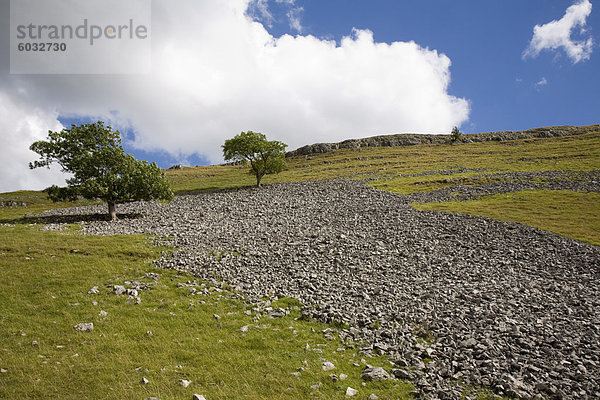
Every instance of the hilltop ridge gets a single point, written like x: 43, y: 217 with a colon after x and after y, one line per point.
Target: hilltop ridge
x: 410, y: 139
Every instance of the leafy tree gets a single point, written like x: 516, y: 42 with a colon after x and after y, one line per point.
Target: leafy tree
x: 100, y: 167
x: 455, y: 136
x: 264, y: 156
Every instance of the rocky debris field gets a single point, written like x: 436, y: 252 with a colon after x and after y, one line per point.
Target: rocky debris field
x: 452, y: 299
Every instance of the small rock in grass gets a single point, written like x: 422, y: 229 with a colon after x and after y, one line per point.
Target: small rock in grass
x: 375, y: 374
x: 198, y: 397
x: 118, y: 289
x: 351, y: 392
x: 277, y: 313
x: 244, y: 328
x: 328, y: 366
x: 144, y: 381
x: 102, y: 313
x: 343, y: 377
x: 149, y: 333
x: 217, y: 317
x: 84, y: 327
x: 316, y: 386
x: 34, y: 343
x: 3, y: 371
x: 184, y: 382
x: 94, y: 290
x: 373, y: 396
x: 296, y: 373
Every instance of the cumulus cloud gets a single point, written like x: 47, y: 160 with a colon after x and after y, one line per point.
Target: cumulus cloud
x: 557, y: 34
x: 216, y: 71
x: 20, y: 126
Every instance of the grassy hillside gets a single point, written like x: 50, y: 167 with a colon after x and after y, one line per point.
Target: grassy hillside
x: 388, y: 164
x: 46, y: 277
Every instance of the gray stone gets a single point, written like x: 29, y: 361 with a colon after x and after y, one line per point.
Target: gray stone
x: 118, y: 289
x: 375, y: 374
x: 277, y: 313
x: 327, y: 366
x: 84, y: 327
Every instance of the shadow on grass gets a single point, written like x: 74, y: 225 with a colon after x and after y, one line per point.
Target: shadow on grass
x: 67, y: 219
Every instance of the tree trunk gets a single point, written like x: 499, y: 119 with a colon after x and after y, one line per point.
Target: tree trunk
x: 112, y: 211
x: 258, y: 178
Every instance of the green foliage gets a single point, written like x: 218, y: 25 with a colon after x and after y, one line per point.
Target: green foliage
x: 264, y: 156
x: 100, y: 167
x: 455, y: 136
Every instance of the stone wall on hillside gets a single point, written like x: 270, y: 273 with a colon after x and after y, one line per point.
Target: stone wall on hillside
x: 410, y: 139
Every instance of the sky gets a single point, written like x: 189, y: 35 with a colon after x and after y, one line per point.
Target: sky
x: 307, y: 71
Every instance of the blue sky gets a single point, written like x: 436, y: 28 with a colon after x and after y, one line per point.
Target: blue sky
x: 305, y: 71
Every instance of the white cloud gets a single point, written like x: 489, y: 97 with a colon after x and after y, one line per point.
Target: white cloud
x: 21, y: 125
x: 217, y: 72
x: 541, y: 82
x: 557, y: 34
x: 294, y: 16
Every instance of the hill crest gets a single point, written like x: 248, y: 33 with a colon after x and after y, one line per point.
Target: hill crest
x: 411, y: 139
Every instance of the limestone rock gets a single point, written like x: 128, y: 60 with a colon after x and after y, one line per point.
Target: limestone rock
x: 84, y: 327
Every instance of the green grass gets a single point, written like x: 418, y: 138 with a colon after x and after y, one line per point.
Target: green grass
x: 36, y: 202
x: 568, y: 213
x: 387, y: 164
x: 43, y: 294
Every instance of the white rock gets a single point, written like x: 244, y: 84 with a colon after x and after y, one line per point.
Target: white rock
x: 118, y: 289
x: 244, y: 328
x: 328, y: 366
x: 351, y: 392
x: 198, y: 397
x: 144, y: 381
x: 84, y: 327
x: 3, y: 371
x: 343, y: 377
x: 184, y: 383
x: 102, y: 313
x: 94, y: 290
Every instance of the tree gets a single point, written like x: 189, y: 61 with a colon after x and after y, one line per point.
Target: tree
x: 264, y: 156
x: 100, y: 167
x: 455, y: 136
